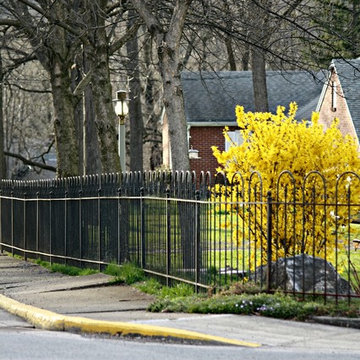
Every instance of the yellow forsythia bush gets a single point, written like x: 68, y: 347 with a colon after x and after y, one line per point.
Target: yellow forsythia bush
x: 273, y: 143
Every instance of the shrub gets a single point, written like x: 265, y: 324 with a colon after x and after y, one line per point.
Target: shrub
x: 128, y: 273
x: 285, y: 153
x: 276, y: 305
x: 153, y: 287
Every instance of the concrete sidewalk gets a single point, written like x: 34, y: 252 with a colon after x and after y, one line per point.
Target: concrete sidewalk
x: 88, y: 304
x: 55, y: 301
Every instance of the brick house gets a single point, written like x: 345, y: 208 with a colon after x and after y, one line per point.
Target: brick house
x: 340, y: 97
x: 210, y: 99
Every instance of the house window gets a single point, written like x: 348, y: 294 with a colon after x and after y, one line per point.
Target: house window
x: 235, y: 137
x: 333, y: 96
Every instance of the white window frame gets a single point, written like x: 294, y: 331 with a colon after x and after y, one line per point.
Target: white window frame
x: 235, y: 137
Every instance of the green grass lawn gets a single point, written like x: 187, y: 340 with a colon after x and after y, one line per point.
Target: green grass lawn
x: 218, y: 246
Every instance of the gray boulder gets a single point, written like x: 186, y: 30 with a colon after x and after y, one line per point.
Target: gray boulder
x: 304, y: 273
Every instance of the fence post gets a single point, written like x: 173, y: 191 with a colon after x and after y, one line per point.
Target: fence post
x: 197, y: 238
x: 80, y: 225
x: 1, y: 237
x: 65, y: 225
x: 50, y: 225
x: 168, y: 237
x: 269, y: 240
x: 24, y: 227
x: 99, y: 225
x: 37, y: 223
x: 118, y: 227
x: 142, y: 228
x: 12, y: 222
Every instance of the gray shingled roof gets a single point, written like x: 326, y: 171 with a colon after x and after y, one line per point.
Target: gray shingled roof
x: 349, y: 75
x: 212, y: 97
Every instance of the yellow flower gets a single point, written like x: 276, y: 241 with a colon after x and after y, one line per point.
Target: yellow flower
x: 277, y: 142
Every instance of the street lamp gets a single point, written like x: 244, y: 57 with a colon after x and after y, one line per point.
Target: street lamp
x: 121, y: 110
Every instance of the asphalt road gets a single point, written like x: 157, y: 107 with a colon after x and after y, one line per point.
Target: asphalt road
x: 87, y: 296
x: 18, y: 340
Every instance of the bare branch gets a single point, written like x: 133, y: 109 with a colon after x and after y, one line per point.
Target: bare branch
x: 18, y: 62
x: 49, y: 16
x: 34, y: 7
x: 31, y: 90
x: 10, y: 22
x: 45, y: 152
x: 153, y: 24
x: 124, y: 39
x: 177, y: 22
x: 30, y: 162
x: 83, y: 83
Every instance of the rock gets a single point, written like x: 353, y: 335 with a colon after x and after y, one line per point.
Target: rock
x: 304, y: 273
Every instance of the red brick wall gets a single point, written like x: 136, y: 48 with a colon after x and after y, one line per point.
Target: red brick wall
x: 202, y: 139
x: 327, y: 114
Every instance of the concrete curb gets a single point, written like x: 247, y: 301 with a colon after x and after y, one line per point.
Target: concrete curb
x: 338, y: 321
x: 48, y: 320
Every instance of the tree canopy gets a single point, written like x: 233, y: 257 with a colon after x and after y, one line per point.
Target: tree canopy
x: 91, y: 48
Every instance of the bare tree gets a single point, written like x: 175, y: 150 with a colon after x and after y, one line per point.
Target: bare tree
x: 79, y: 37
x: 25, y: 106
x: 167, y: 37
x: 135, y: 104
x: 57, y: 32
x: 52, y: 46
x: 96, y: 42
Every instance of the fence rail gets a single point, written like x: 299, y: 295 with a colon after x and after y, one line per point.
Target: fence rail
x: 207, y: 231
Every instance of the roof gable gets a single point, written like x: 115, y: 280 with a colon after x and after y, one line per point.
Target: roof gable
x: 348, y: 72
x: 212, y: 97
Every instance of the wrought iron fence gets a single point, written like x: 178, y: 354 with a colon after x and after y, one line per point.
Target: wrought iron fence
x: 209, y: 231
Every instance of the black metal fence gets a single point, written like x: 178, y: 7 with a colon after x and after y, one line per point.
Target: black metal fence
x: 207, y: 231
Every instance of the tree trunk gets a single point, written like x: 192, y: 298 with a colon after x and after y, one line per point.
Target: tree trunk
x: 2, y: 157
x: 92, y: 163
x: 55, y: 53
x: 259, y: 37
x: 78, y: 114
x: 91, y: 153
x: 230, y: 53
x: 174, y: 107
x: 135, y: 110
x: 245, y: 57
x: 259, y: 80
x: 64, y: 124
x: 228, y: 40
x: 105, y: 118
x: 168, y: 43
x: 153, y: 149
x: 105, y: 115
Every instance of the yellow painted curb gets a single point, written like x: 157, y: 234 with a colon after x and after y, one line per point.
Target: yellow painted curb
x: 38, y: 317
x: 52, y: 321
